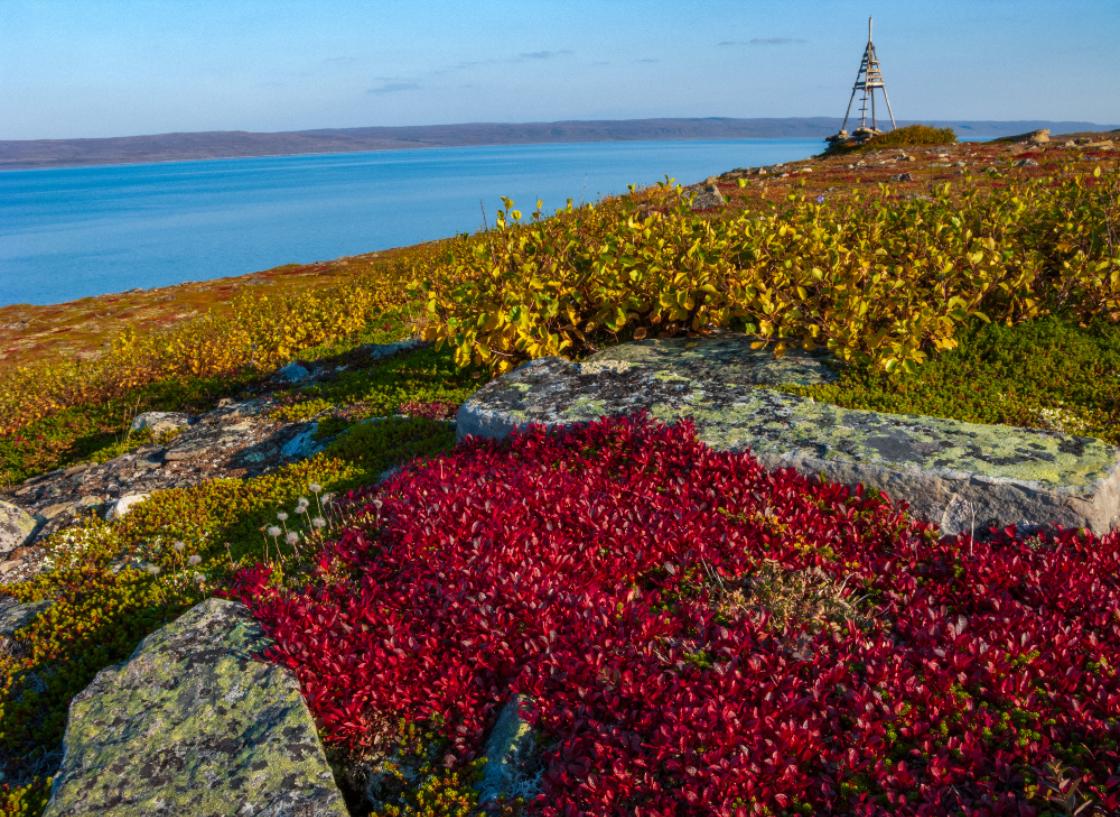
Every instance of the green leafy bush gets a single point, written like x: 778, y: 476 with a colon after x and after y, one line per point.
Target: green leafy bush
x: 911, y: 135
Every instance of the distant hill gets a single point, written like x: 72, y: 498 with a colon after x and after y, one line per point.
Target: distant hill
x: 170, y: 147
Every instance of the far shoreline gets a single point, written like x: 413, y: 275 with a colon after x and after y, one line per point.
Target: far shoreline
x: 165, y: 148
x: 405, y: 148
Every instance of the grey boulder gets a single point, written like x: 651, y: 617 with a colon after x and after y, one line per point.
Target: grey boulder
x: 293, y: 373
x: 512, y: 769
x: 16, y: 527
x: 963, y: 476
x: 194, y: 724
x: 161, y: 423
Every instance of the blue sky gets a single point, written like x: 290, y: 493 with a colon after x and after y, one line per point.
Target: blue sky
x: 114, y: 67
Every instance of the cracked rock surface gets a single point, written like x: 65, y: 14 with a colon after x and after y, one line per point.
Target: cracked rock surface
x: 194, y: 724
x: 236, y: 439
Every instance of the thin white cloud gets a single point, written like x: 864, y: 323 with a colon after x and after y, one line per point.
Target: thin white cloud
x: 542, y: 55
x: 393, y: 87
x: 756, y: 41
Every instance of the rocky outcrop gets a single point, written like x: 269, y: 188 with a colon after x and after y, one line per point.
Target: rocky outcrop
x: 706, y: 196
x: 17, y: 527
x: 160, y: 423
x: 961, y: 475
x: 16, y: 615
x: 123, y: 505
x: 512, y: 767
x: 235, y: 439
x: 293, y: 373
x: 192, y: 724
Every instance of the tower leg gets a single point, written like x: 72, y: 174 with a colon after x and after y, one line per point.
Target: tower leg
x: 887, y: 99
x: 851, y: 99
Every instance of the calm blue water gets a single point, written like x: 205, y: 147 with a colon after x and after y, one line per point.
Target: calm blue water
x: 72, y: 232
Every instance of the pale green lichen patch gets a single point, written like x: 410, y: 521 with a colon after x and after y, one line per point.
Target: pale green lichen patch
x: 730, y: 354
x: 194, y: 724
x: 771, y: 423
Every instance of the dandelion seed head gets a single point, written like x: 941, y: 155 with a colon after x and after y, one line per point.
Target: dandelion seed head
x: 282, y: 516
x: 194, y: 559
x: 292, y: 538
x: 319, y: 522
x: 179, y: 546
x: 315, y: 487
x: 273, y: 531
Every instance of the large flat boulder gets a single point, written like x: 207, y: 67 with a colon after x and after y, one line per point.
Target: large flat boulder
x: 193, y: 724
x: 960, y: 475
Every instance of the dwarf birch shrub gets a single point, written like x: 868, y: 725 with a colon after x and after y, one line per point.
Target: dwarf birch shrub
x: 872, y: 279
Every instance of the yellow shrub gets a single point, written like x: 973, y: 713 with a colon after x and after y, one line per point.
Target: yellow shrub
x: 870, y: 279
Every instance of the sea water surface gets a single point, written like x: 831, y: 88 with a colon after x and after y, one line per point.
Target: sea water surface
x: 67, y: 233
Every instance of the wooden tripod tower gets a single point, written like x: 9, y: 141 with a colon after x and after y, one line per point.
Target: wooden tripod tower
x: 869, y: 79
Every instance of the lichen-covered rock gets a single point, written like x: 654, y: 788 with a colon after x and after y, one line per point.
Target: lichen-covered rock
x: 16, y: 615
x: 512, y: 767
x: 161, y: 423
x: 707, y: 197
x: 293, y: 373
x: 380, y: 351
x: 960, y: 475
x: 16, y: 527
x: 122, y: 505
x: 192, y: 724
x: 303, y: 444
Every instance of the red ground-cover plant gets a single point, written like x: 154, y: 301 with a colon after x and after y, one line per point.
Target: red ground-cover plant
x: 606, y: 574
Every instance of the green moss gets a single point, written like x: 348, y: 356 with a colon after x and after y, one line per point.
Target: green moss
x: 375, y: 446
x: 1050, y: 373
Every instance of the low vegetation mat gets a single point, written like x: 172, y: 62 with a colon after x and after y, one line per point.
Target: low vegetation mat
x: 692, y: 634
x: 908, y: 136
x: 1048, y: 373
x: 684, y: 628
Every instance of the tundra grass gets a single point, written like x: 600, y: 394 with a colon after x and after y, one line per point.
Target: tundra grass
x: 97, y: 431
x: 1049, y: 373
x: 112, y: 583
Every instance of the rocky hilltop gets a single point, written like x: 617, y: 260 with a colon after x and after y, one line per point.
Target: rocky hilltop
x: 292, y: 557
